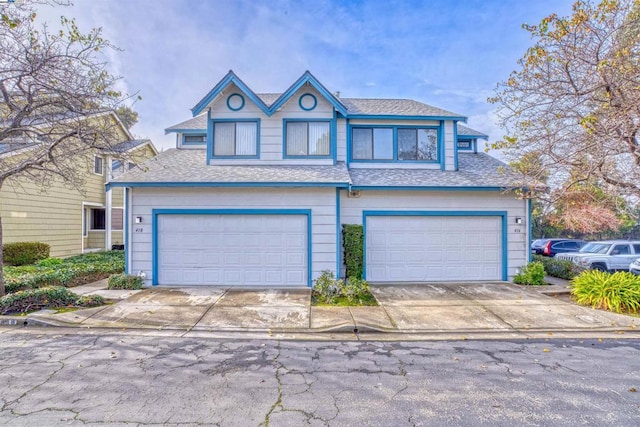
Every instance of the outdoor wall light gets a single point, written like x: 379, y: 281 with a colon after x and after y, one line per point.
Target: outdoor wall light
x: 518, y: 220
x: 138, y: 219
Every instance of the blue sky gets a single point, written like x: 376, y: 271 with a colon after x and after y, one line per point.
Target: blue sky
x: 445, y: 53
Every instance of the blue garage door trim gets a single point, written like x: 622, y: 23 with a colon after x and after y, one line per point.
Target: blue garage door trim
x: 502, y: 214
x: 156, y: 212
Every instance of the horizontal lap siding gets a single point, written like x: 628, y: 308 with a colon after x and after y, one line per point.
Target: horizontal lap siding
x: 447, y: 201
x: 320, y: 201
x: 271, y: 128
x: 52, y: 215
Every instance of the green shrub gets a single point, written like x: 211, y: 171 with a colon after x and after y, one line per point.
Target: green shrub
x: 353, y: 242
x: 90, y: 301
x: 619, y: 292
x: 532, y: 274
x: 329, y: 290
x: 22, y: 253
x: 355, y: 290
x: 326, y: 288
x: 49, y: 262
x: 47, y: 297
x: 125, y: 281
x: 561, y: 268
x: 70, y: 272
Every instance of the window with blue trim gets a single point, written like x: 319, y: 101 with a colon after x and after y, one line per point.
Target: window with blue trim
x: 417, y: 144
x: 394, y: 143
x: 308, y: 138
x: 196, y: 139
x: 373, y: 143
x: 465, y: 144
x: 235, y: 138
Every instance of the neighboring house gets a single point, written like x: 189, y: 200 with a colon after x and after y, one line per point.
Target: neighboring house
x: 72, y: 220
x: 259, y: 185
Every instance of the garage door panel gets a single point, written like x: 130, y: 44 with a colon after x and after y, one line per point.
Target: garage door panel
x: 433, y: 248
x: 219, y: 249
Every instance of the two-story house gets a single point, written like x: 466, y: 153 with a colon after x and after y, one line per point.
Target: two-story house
x: 259, y: 185
x: 72, y: 218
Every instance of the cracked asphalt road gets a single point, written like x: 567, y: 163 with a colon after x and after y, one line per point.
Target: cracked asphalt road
x: 51, y: 379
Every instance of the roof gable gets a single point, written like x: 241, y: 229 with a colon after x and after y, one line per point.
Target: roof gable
x: 230, y: 78
x: 307, y: 77
x: 465, y: 131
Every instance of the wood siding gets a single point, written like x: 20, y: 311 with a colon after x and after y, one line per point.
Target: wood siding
x: 518, y: 248
x: 321, y: 201
x: 271, y: 128
x: 53, y: 214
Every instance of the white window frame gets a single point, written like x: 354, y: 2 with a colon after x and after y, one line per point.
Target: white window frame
x: 95, y: 165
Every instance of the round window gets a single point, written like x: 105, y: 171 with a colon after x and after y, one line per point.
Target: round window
x: 235, y: 102
x: 308, y: 102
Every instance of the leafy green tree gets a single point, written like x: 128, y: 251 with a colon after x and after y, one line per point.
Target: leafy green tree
x: 127, y: 116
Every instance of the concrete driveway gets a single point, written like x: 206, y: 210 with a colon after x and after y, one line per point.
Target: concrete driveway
x: 471, y: 307
x: 458, y: 308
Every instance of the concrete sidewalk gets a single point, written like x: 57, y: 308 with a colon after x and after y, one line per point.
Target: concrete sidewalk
x: 464, y: 308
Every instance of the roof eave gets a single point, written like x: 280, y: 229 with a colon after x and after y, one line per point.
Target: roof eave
x: 307, y: 77
x: 403, y: 117
x: 179, y: 130
x: 231, y: 77
x: 226, y: 184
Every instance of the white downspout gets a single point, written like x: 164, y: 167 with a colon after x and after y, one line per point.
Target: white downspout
x: 109, y: 203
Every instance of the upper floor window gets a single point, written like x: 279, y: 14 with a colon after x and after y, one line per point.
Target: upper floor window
x: 395, y: 143
x: 199, y: 139
x: 235, y: 138
x: 465, y: 144
x: 417, y: 144
x: 304, y: 138
x: 373, y: 143
x: 98, y: 165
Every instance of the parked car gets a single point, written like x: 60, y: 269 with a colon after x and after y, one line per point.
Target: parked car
x: 537, y: 245
x: 551, y: 247
x: 635, y: 267
x: 610, y: 255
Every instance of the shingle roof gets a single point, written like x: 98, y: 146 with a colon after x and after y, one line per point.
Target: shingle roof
x: 125, y: 146
x: 393, y: 107
x: 269, y: 98
x: 467, y: 131
x: 196, y: 123
x: 14, y: 146
x: 190, y: 166
x: 475, y: 170
x: 355, y: 106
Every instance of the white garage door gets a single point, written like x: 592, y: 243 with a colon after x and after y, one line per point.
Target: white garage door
x: 245, y: 250
x: 433, y: 248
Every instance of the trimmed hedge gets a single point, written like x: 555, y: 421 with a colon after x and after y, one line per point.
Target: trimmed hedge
x: 353, y: 242
x: 73, y: 271
x: 46, y: 297
x: 125, y: 281
x: 561, y: 268
x: 619, y: 292
x: 23, y: 253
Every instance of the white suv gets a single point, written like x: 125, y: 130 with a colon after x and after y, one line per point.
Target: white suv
x: 611, y: 255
